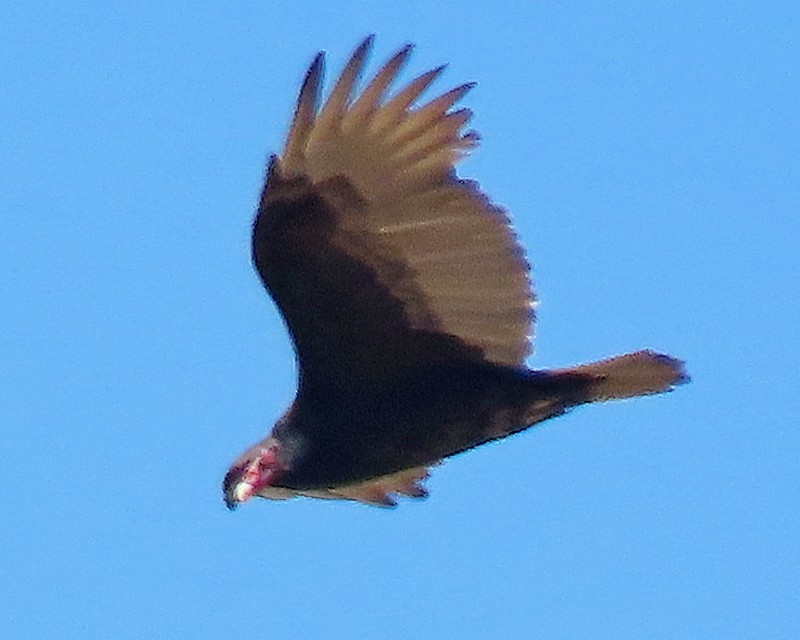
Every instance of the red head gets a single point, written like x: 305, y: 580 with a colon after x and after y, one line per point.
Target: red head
x: 254, y: 471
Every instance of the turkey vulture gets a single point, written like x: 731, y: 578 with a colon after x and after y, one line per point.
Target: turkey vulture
x: 407, y: 297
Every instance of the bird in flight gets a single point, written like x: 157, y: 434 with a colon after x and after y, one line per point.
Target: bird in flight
x: 407, y: 297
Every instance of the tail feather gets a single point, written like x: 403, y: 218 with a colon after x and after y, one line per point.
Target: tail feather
x: 633, y: 374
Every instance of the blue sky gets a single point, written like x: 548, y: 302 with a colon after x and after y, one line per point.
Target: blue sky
x: 650, y: 156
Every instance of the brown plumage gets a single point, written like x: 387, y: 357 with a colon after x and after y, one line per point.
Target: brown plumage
x: 407, y: 297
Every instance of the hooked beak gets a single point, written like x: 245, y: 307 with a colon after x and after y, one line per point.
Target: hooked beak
x: 243, y: 491
x: 255, y: 477
x: 259, y: 473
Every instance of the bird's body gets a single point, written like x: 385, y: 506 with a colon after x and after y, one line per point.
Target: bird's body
x: 418, y: 417
x: 407, y: 298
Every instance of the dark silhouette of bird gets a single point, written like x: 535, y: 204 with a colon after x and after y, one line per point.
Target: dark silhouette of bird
x: 407, y: 297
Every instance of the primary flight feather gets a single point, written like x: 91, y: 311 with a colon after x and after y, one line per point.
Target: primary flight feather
x: 407, y: 297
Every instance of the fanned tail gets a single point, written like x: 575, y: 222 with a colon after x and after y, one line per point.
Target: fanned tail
x: 633, y: 374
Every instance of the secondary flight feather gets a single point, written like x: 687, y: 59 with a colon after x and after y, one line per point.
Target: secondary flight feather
x: 407, y: 297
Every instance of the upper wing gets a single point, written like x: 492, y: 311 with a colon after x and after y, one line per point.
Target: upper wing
x: 375, y: 252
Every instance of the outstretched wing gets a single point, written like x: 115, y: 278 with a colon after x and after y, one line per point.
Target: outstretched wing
x: 376, y: 253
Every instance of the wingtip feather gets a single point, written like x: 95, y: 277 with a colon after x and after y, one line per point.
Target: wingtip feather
x: 340, y: 97
x: 369, y: 100
x: 305, y: 113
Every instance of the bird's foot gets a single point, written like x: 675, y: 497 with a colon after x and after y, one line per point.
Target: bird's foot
x: 381, y: 491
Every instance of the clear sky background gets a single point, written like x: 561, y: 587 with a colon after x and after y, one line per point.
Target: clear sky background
x: 649, y: 153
